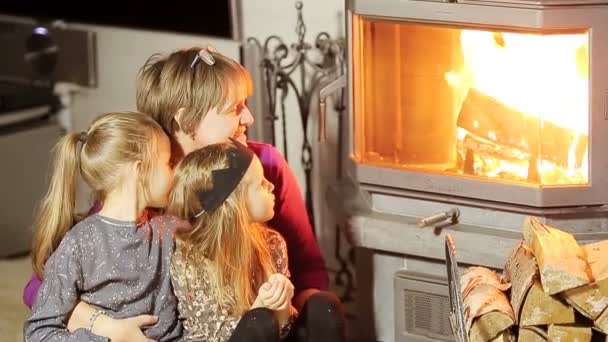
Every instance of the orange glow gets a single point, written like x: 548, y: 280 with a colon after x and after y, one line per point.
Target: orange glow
x: 542, y: 76
x: 505, y: 106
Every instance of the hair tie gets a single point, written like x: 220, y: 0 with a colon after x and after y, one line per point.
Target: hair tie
x: 83, y: 137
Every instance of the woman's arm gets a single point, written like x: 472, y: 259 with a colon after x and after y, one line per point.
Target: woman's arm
x: 30, y: 292
x: 117, y: 330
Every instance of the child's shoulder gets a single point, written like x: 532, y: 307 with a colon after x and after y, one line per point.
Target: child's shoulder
x: 84, y: 230
x: 272, y: 236
x: 168, y: 223
x: 85, y: 227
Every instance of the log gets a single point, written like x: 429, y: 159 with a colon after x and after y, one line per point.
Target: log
x: 476, y: 275
x: 505, y: 336
x: 561, y: 261
x: 531, y: 334
x: 569, y: 333
x: 540, y: 308
x: 487, y: 309
x: 592, y: 299
x: 520, y: 271
x: 490, y: 326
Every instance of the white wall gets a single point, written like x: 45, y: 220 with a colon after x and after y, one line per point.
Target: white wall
x: 121, y: 52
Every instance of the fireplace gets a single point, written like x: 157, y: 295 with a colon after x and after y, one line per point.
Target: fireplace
x: 496, y: 110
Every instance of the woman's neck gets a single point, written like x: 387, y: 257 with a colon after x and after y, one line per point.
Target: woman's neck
x: 121, y: 205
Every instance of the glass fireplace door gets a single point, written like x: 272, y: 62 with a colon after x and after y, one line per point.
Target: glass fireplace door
x: 499, y: 105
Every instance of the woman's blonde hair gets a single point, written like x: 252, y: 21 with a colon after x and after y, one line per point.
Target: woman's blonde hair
x: 165, y: 84
x: 224, y: 239
x: 97, y: 155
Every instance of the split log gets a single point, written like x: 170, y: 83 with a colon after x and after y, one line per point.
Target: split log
x: 592, y: 299
x: 476, y: 275
x: 540, y: 308
x: 520, y: 271
x: 561, y: 261
x: 491, y: 326
x: 568, y: 333
x: 505, y: 336
x: 487, y: 309
x: 532, y: 334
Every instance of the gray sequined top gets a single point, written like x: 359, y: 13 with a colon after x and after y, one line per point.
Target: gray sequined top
x: 118, y: 266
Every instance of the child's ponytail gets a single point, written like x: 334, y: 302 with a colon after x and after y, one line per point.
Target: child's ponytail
x: 55, y: 215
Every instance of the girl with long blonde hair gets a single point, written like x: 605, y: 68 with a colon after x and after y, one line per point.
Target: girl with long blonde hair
x: 117, y: 259
x: 228, y: 263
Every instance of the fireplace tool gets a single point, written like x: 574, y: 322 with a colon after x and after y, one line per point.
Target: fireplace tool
x: 456, y: 303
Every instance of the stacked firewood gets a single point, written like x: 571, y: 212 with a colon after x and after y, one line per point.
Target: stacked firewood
x: 552, y: 289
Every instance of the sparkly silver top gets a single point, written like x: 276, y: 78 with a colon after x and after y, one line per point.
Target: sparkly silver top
x: 118, y: 266
x: 204, y: 319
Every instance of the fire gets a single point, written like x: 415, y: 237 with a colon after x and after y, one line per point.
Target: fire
x: 532, y: 93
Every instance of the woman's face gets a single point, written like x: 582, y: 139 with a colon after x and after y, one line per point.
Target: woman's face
x: 219, y: 125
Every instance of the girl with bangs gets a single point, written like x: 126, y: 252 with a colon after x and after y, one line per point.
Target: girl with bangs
x: 229, y: 271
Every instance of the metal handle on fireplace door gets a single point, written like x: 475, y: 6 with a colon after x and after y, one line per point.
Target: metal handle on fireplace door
x: 451, y: 214
x: 333, y: 86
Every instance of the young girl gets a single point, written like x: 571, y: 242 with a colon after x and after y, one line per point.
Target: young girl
x: 117, y: 259
x: 228, y: 263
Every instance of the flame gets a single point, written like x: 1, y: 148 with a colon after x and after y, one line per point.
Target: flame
x: 544, y: 76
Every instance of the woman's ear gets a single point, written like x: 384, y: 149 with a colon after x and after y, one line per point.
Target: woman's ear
x: 136, y: 168
x: 178, y: 118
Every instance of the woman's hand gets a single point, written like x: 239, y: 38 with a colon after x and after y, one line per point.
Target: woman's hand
x: 124, y: 330
x: 127, y: 329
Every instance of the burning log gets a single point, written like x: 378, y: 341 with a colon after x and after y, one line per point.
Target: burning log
x: 592, y: 299
x: 561, y: 261
x: 484, y: 116
x: 569, y: 333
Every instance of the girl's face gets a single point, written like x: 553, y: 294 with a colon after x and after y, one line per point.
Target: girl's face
x: 260, y: 199
x: 161, y: 177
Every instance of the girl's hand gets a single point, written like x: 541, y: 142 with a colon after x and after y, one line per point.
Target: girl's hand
x: 124, y: 330
x: 263, y: 292
x: 279, y: 296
